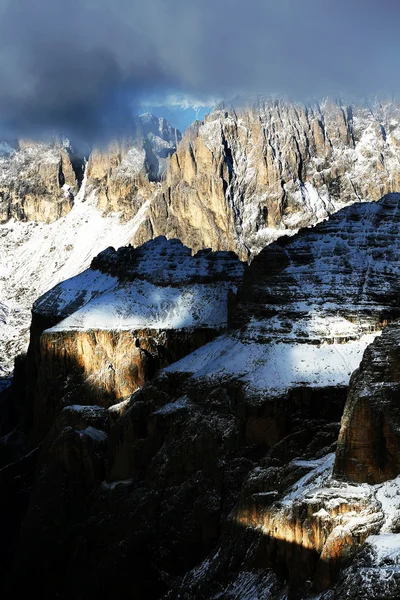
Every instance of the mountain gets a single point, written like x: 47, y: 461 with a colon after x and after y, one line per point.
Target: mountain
x: 179, y: 422
x: 250, y: 174
x: 58, y: 214
x: 247, y: 175
x: 180, y: 112
x: 38, y: 181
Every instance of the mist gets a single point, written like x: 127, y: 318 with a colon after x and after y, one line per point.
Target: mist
x: 83, y: 67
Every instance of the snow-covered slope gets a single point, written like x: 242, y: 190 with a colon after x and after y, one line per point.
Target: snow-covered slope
x: 311, y: 304
x: 159, y: 285
x: 275, y: 368
x: 36, y: 256
x: 141, y: 305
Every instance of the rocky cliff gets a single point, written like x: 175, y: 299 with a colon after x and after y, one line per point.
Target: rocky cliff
x: 369, y: 444
x: 214, y: 479
x: 253, y: 170
x: 122, y: 173
x: 115, y: 325
x: 38, y: 181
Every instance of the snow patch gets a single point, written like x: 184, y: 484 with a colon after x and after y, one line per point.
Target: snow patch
x: 275, y: 367
x: 140, y: 304
x: 93, y: 433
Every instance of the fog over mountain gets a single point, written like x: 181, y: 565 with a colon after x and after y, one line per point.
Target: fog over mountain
x: 83, y: 67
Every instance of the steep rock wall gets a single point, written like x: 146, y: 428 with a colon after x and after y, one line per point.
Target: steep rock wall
x: 369, y: 440
x: 252, y: 170
x: 38, y: 182
x: 104, y: 333
x: 103, y: 367
x: 124, y: 173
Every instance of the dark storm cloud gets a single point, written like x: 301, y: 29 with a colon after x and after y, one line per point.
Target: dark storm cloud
x: 78, y: 66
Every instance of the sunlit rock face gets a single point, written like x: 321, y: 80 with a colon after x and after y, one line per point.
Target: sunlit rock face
x: 115, y: 325
x: 314, y: 530
x: 38, y: 181
x: 369, y: 443
x: 255, y: 169
x: 124, y: 172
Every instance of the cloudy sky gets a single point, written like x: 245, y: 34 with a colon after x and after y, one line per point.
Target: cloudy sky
x: 81, y: 65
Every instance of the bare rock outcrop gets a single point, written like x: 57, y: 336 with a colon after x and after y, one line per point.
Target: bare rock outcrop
x: 125, y: 172
x: 254, y: 170
x: 369, y: 440
x: 38, y: 181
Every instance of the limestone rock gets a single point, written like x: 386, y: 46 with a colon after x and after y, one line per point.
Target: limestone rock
x: 122, y: 173
x: 369, y: 441
x: 254, y: 170
x: 106, y: 332
x: 214, y: 479
x: 38, y: 181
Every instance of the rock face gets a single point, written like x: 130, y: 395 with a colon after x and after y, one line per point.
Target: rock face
x: 333, y: 282
x: 115, y: 325
x: 309, y: 305
x: 122, y: 173
x: 38, y: 181
x: 314, y: 530
x: 369, y: 441
x: 214, y: 479
x: 252, y: 170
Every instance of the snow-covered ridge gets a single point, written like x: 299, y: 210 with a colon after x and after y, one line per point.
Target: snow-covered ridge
x: 159, y: 286
x: 142, y: 305
x: 275, y: 368
x: 310, y: 305
x: 169, y: 262
x: 334, y: 282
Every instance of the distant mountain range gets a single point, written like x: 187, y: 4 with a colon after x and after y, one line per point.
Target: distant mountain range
x: 180, y: 113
